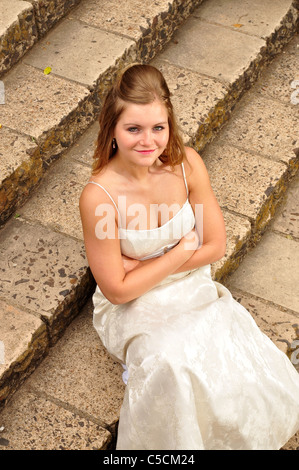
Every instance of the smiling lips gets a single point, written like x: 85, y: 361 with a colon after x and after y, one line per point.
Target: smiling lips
x: 146, y: 151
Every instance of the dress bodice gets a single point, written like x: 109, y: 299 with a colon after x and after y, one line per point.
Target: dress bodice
x: 144, y: 244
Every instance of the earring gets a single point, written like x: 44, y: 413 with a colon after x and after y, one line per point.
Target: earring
x: 113, y: 144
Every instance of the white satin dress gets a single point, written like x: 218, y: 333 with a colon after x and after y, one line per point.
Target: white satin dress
x: 201, y: 374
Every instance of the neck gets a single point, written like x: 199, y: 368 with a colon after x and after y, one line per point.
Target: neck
x: 133, y: 172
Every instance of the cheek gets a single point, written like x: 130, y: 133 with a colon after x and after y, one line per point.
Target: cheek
x: 125, y: 139
x: 165, y: 138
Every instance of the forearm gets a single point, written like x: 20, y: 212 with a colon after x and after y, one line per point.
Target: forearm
x: 150, y: 273
x: 204, y: 255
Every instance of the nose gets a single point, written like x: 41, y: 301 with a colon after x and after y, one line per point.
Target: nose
x: 146, y: 138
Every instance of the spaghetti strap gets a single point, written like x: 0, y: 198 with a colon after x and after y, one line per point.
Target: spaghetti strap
x: 93, y: 182
x: 183, y: 168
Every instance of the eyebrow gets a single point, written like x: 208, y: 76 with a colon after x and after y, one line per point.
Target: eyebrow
x: 134, y: 124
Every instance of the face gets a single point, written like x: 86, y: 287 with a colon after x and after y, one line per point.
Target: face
x: 142, y: 133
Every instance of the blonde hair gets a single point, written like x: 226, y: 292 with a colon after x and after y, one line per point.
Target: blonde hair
x: 138, y: 84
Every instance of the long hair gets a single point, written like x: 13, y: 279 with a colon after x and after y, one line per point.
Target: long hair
x: 138, y: 84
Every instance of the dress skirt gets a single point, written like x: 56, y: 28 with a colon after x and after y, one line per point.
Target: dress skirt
x: 201, y: 374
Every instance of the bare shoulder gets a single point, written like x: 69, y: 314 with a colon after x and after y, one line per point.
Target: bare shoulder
x: 93, y: 194
x: 91, y: 198
x: 195, y: 168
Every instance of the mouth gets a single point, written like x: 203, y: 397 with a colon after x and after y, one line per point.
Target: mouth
x: 146, y: 152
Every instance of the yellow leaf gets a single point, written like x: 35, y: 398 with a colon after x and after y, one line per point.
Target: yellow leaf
x: 0, y: 126
x: 47, y: 70
x: 238, y: 25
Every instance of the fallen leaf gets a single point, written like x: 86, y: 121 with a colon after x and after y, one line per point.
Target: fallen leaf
x: 238, y: 25
x: 47, y: 70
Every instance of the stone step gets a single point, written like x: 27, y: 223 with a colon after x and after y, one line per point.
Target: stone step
x: 63, y: 103
x: 72, y: 401
x: 44, y: 113
x: 18, y: 32
x: 45, y: 279
x: 23, y: 23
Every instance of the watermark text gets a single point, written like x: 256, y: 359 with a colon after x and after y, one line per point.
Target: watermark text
x: 170, y: 222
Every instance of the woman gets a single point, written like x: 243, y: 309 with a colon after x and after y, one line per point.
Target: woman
x: 201, y: 375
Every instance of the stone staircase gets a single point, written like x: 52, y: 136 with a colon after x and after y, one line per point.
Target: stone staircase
x: 55, y: 72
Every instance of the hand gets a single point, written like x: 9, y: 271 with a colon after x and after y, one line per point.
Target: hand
x: 129, y: 263
x: 186, y: 247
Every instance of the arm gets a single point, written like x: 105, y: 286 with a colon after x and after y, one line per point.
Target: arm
x: 211, y: 224
x: 105, y: 259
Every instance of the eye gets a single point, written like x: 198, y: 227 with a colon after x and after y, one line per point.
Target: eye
x: 158, y: 128
x: 133, y: 129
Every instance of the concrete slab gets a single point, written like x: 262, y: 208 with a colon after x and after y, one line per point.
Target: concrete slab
x: 35, y: 423
x: 34, y: 113
x: 78, y: 52
x: 287, y: 217
x: 293, y: 443
x: 21, y: 169
x: 271, y: 271
x: 43, y: 271
x: 264, y: 127
x: 281, y: 79
x: 24, y: 341
x: 17, y: 32
x: 10, y: 12
x: 110, y: 15
x: 48, y: 12
x: 194, y: 97
x: 17, y: 331
x: 278, y: 325
x: 238, y: 232
x: 149, y: 24
x: 249, y: 16
x: 203, y: 47
x: 14, y: 149
x: 87, y: 379
x: 242, y: 182
x: 56, y: 204
x: 83, y: 150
